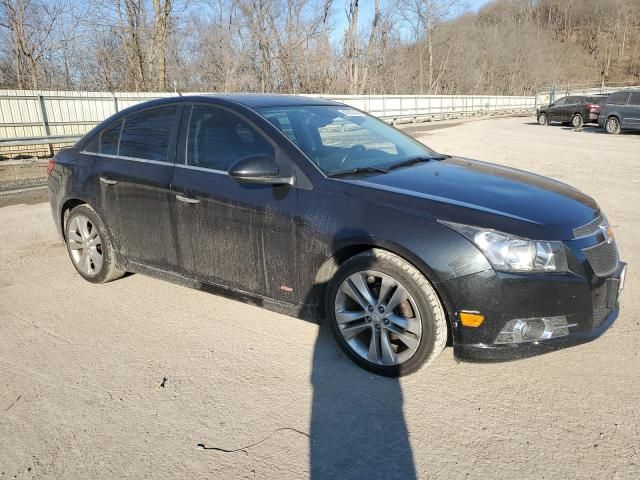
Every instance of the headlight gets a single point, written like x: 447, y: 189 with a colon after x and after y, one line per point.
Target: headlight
x: 508, y: 253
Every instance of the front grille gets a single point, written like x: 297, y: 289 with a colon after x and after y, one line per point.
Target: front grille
x: 603, y: 258
x: 599, y: 314
x: 589, y: 229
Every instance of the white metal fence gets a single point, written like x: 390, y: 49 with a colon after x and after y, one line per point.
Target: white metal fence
x: 38, y: 122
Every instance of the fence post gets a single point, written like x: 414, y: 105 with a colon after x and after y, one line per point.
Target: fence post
x: 45, y: 121
x: 115, y: 103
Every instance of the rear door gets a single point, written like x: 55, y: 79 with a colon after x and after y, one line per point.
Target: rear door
x: 241, y: 236
x: 632, y: 112
x: 567, y: 110
x: 135, y: 169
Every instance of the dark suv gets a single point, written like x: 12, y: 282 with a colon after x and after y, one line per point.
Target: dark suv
x: 314, y: 208
x: 575, y: 110
x: 621, y: 111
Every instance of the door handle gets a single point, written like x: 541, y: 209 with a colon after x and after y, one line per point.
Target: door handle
x: 108, y: 181
x: 184, y: 199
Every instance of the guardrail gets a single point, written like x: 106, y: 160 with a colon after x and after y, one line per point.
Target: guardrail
x: 36, y: 123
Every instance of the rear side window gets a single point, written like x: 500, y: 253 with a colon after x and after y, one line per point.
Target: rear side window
x: 109, y: 139
x: 618, y: 98
x: 217, y: 138
x: 146, y: 134
x: 106, y: 141
x: 634, y: 99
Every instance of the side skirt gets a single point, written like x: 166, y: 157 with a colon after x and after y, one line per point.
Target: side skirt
x: 305, y: 312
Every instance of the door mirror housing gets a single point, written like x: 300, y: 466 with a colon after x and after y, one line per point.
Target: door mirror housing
x: 261, y: 169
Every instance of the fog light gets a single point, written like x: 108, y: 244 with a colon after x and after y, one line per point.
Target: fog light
x: 533, y: 329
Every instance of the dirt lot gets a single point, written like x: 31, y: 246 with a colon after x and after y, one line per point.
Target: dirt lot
x: 125, y: 380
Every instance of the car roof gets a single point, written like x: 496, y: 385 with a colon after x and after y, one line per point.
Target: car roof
x: 262, y: 100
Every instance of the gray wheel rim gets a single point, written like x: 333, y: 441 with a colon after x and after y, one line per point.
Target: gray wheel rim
x: 576, y: 121
x: 378, y: 318
x: 542, y: 119
x: 85, y: 245
x: 612, y: 125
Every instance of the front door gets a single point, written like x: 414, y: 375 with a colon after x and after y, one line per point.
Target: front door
x: 135, y: 185
x: 241, y: 236
x: 555, y: 110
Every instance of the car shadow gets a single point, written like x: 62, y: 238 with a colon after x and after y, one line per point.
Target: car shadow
x: 358, y: 428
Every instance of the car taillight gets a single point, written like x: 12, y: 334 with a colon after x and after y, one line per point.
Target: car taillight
x: 50, y: 164
x: 593, y: 107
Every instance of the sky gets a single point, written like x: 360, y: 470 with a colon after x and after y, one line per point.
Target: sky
x: 366, y: 12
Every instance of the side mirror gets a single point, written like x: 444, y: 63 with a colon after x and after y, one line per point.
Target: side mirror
x: 261, y: 169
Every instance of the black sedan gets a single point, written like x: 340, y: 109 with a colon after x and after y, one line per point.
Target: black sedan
x: 316, y: 209
x: 575, y: 110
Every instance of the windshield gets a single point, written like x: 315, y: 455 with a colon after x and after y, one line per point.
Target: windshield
x: 339, y: 138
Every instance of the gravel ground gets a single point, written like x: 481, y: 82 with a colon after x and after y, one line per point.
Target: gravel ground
x: 124, y: 380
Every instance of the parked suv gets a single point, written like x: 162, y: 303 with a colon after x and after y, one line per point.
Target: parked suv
x: 314, y: 208
x: 621, y: 111
x: 574, y: 110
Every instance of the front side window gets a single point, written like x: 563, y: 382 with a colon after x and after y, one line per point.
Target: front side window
x: 217, y: 138
x: 562, y: 101
x: 618, y: 98
x: 338, y: 138
x: 146, y: 134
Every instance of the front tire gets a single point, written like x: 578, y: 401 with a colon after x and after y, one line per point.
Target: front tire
x: 612, y: 126
x: 542, y: 119
x: 577, y: 121
x: 384, y: 314
x: 90, y: 247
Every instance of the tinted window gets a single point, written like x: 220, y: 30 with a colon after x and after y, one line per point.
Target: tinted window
x: 217, y: 138
x: 634, y: 99
x: 562, y: 101
x: 146, y: 134
x: 618, y: 98
x: 106, y: 141
x: 109, y: 138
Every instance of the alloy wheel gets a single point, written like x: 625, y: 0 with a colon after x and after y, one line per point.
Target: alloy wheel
x: 85, y: 245
x: 612, y: 125
x: 378, y: 318
x: 576, y: 121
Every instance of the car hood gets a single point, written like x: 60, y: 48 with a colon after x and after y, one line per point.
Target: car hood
x: 487, y: 195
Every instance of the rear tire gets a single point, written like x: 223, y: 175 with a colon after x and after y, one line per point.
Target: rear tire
x: 612, y: 126
x: 397, y: 325
x: 577, y: 121
x: 90, y: 246
x: 542, y: 119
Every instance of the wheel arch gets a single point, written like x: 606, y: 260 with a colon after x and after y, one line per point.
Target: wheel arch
x: 330, y: 266
x: 67, y: 206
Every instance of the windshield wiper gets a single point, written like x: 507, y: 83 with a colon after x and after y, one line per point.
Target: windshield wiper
x: 351, y: 171
x: 414, y: 160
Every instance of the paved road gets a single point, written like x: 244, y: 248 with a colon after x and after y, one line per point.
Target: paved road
x: 124, y: 380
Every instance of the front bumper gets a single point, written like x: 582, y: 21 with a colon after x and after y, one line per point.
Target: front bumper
x: 589, y: 304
